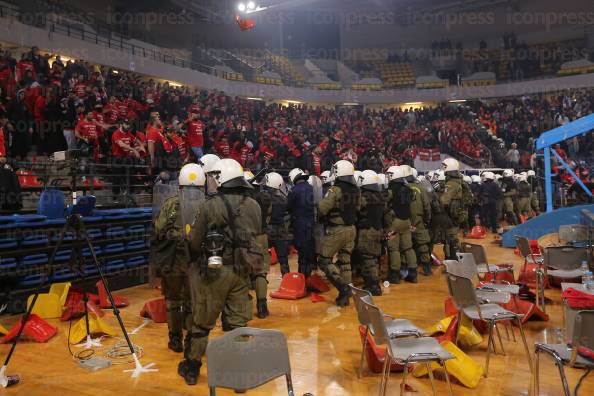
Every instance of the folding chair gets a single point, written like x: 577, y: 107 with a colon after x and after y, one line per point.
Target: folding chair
x: 533, y: 271
x: 466, y: 301
x: 246, y: 358
x: 405, y: 351
x: 396, y: 327
x: 482, y: 264
x: 564, y: 261
x: 573, y: 234
x: 564, y: 354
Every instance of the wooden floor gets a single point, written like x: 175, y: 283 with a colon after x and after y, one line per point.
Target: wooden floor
x: 323, y: 343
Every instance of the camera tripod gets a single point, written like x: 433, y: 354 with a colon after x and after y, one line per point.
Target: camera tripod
x: 74, y: 225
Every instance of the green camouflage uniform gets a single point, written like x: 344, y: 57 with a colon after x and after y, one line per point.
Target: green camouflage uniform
x: 369, y: 236
x: 420, y: 219
x: 525, y: 199
x: 223, y: 291
x: 451, y: 200
x: 401, y: 244
x: 340, y: 234
x: 172, y: 263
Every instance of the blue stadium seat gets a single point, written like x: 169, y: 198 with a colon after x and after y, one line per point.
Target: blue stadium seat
x: 115, y: 232
x: 113, y: 248
x: 69, y: 236
x: 55, y: 222
x: 63, y: 275
x: 8, y: 243
x: 35, y: 240
x: 87, y: 252
x: 6, y: 219
x: 90, y: 270
x: 63, y: 255
x: 135, y: 261
x: 94, y: 233
x: 51, y: 204
x: 30, y: 219
x: 115, y: 265
x: 136, y: 229
x: 34, y: 259
x: 32, y: 280
x: 7, y: 263
x: 84, y: 205
x: 93, y: 218
x: 136, y: 245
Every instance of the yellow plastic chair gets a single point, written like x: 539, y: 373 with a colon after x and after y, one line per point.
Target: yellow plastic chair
x: 51, y: 305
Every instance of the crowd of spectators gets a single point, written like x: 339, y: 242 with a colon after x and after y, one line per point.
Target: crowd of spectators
x: 121, y: 117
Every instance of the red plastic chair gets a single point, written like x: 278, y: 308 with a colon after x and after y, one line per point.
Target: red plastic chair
x: 28, y: 180
x: 156, y: 310
x: 35, y: 329
x: 374, y: 355
x: 120, y: 301
x: 316, y: 283
x: 478, y: 232
x: 273, y: 256
x: 292, y: 287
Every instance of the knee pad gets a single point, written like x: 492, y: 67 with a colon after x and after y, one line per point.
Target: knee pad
x: 198, y: 332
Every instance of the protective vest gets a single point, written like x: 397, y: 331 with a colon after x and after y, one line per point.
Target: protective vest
x: 264, y: 200
x: 401, y: 200
x: 524, y: 190
x: 371, y: 215
x: 349, y: 202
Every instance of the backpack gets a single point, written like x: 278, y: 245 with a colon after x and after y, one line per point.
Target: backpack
x: 164, y: 245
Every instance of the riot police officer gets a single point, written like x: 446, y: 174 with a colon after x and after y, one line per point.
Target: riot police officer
x: 474, y: 210
x: 452, y: 200
x: 340, y: 207
x: 398, y: 219
x: 420, y: 219
x: 259, y: 282
x: 171, y: 252
x: 536, y: 191
x: 223, y: 239
x: 524, y: 196
x: 510, y: 193
x: 327, y: 181
x: 370, y: 230
x: 278, y: 228
x: 490, y: 194
x: 300, y: 205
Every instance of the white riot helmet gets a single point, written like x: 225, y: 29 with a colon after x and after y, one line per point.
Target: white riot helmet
x: 207, y: 161
x: 440, y: 174
x: 530, y: 173
x: 229, y: 173
x: 498, y: 176
x: 296, y: 173
x: 274, y: 180
x: 395, y: 172
x: 488, y: 176
x: 343, y: 168
x: 522, y: 177
x: 450, y: 165
x: 357, y: 176
x: 368, y: 178
x: 430, y: 175
x: 326, y: 177
x: 192, y: 175
x: 248, y: 176
x: 475, y: 178
x: 383, y: 181
x: 467, y: 179
x: 415, y: 173
x: 508, y: 173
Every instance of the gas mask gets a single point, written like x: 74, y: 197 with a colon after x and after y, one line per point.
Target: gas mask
x: 214, y: 243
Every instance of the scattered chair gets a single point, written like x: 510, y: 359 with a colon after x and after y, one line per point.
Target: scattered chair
x: 484, y: 269
x: 467, y: 303
x: 533, y: 271
x: 564, y: 261
x: 51, y: 204
x: 395, y: 327
x: 405, y: 351
x: 247, y: 358
x: 564, y: 354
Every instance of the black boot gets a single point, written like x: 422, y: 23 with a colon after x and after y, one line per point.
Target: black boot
x: 262, y: 308
x: 412, y: 275
x: 175, y: 342
x: 344, y: 293
x: 191, y: 372
x: 427, y: 269
x: 374, y: 288
x: 394, y: 276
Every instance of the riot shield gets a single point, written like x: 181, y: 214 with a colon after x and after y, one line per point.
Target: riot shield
x: 190, y: 200
x: 318, y: 194
x: 161, y: 193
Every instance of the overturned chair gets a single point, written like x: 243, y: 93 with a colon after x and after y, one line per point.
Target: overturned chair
x: 469, y: 304
x: 405, y: 351
x: 396, y: 327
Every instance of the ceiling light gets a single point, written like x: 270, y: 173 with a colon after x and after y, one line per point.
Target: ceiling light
x: 241, y: 7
